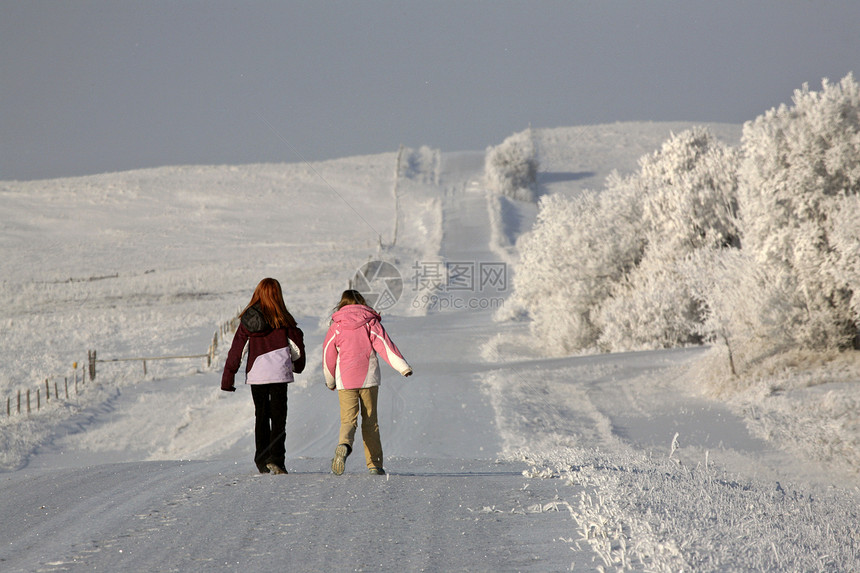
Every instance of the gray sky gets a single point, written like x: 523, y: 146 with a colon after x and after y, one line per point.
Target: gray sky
x: 89, y: 87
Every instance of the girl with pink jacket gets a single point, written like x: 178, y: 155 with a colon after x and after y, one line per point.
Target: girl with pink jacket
x: 351, y: 366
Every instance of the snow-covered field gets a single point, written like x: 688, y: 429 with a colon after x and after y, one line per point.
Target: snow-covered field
x: 498, y: 459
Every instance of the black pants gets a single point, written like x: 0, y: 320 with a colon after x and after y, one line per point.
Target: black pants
x: 270, y: 410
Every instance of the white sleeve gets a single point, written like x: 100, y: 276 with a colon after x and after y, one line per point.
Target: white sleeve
x: 295, y: 352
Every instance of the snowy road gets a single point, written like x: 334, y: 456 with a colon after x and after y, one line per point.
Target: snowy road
x: 201, y: 516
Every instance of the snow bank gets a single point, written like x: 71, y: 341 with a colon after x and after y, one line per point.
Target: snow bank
x: 660, y: 514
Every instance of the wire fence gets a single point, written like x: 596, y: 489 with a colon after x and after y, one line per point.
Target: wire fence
x: 61, y: 389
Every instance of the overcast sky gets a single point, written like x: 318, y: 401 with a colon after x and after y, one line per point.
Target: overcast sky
x: 89, y: 87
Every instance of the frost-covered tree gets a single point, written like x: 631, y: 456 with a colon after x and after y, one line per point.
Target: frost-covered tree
x: 739, y: 302
x: 798, y: 178
x: 653, y: 307
x: 578, y: 249
x: 511, y: 167
x: 420, y: 164
x: 757, y: 247
x: 845, y: 237
x: 689, y: 196
x: 689, y: 190
x: 603, y: 270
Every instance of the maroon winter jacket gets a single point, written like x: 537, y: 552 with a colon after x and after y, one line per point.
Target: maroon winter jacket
x: 274, y: 354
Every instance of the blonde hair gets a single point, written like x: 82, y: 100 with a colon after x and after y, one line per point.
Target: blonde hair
x: 350, y: 296
x: 271, y: 300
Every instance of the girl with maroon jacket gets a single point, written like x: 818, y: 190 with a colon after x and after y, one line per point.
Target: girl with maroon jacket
x: 275, y: 351
x: 351, y: 366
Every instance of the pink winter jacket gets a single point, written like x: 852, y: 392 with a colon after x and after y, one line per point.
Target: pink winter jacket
x: 350, y: 347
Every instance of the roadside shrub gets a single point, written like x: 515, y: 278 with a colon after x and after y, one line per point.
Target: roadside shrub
x: 758, y: 247
x: 689, y: 198
x: 569, y: 263
x: 511, y: 167
x: 799, y: 180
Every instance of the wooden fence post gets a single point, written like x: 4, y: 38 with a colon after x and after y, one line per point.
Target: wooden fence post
x: 91, y: 354
x: 38, y: 399
x: 19, y: 401
x: 47, y: 391
x: 28, y: 401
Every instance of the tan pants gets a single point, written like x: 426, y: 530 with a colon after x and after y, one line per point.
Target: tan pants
x: 350, y: 402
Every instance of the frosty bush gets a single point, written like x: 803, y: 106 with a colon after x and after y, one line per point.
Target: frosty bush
x: 578, y: 249
x: 652, y: 308
x: 602, y: 270
x: 739, y: 299
x: 846, y: 241
x: 688, y: 191
x: 757, y: 247
x: 511, y: 167
x: 422, y: 164
x: 798, y: 184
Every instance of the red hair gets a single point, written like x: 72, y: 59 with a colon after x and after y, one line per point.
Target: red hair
x: 270, y: 297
